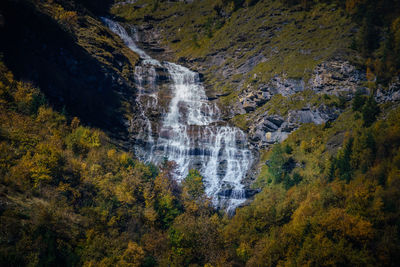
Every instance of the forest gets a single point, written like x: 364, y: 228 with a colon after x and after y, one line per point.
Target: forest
x: 329, y: 194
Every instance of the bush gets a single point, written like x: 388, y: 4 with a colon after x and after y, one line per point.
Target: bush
x: 82, y: 139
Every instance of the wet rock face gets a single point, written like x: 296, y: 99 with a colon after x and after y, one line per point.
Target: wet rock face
x: 248, y: 193
x: 152, y: 99
x: 175, y: 120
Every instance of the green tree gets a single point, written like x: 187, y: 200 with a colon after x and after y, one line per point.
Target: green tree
x: 358, y: 101
x: 276, y: 163
x: 370, y: 111
x: 82, y: 139
x: 343, y: 161
x: 193, y: 186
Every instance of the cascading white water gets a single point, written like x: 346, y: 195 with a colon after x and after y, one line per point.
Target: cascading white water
x: 191, y: 133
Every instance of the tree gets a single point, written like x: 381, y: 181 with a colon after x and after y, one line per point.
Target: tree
x: 82, y: 139
x: 358, y: 101
x: 343, y: 161
x: 167, y: 204
x: 276, y: 162
x: 193, y: 187
x: 370, y: 111
x: 133, y: 255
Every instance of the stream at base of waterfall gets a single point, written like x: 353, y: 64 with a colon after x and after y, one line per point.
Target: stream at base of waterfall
x: 191, y: 132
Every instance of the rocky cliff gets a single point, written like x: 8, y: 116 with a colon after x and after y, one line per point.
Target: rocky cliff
x: 269, y: 67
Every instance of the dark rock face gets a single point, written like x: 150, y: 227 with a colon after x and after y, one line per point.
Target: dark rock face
x: 99, y: 8
x: 248, y: 193
x: 40, y: 51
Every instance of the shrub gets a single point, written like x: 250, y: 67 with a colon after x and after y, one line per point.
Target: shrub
x: 82, y: 139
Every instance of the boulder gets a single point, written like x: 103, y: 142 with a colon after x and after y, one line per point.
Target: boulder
x: 249, y: 105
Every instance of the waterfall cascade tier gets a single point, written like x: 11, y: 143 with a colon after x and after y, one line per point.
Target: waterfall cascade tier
x: 191, y: 132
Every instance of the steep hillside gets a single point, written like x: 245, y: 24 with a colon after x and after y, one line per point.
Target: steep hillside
x: 81, y: 67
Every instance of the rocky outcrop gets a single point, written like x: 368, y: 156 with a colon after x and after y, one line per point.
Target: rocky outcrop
x: 269, y: 129
x: 337, y: 77
x: 392, y: 93
x: 251, y: 99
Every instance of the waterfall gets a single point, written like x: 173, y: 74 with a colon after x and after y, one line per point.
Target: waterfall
x: 191, y: 132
